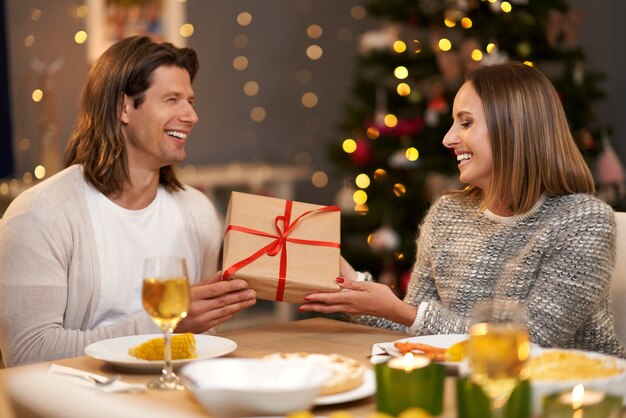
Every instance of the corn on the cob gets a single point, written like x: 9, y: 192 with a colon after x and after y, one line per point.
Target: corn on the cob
x: 183, y: 347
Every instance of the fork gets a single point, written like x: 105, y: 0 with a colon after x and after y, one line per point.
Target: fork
x: 99, y: 382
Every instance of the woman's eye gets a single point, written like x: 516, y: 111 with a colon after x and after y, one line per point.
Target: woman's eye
x: 465, y: 123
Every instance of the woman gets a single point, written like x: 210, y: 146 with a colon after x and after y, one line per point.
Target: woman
x: 526, y: 228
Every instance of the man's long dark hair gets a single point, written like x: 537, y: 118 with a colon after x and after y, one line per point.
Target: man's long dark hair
x: 125, y: 68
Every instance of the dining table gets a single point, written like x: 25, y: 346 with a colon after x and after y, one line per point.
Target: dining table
x: 313, y: 335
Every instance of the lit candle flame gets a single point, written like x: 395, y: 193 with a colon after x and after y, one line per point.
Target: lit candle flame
x: 408, y: 362
x: 578, y: 394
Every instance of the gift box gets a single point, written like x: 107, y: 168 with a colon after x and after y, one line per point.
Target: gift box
x: 284, y: 249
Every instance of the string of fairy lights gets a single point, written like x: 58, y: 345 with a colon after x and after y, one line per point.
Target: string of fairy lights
x: 251, y: 88
x: 452, y: 18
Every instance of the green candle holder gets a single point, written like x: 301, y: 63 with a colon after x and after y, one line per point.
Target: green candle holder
x: 609, y: 407
x: 398, y: 390
x: 472, y: 402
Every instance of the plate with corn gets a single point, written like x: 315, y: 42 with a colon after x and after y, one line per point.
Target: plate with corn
x: 145, y: 352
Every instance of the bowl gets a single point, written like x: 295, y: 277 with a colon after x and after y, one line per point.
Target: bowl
x: 611, y: 385
x: 243, y: 387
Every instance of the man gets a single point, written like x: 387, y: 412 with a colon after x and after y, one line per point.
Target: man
x: 72, y: 248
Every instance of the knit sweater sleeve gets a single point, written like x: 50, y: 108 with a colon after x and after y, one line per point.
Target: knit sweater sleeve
x: 422, y: 286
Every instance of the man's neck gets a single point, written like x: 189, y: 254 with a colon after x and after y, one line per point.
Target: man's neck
x: 141, y: 193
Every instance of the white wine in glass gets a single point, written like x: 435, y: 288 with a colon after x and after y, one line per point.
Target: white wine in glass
x: 498, y: 350
x: 165, y: 296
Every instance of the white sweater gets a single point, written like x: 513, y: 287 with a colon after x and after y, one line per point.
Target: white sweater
x: 50, y: 275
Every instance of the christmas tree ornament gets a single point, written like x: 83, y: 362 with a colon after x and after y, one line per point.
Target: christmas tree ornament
x: 363, y: 153
x: 379, y: 39
x: 384, y: 240
x: 494, y: 57
x: 609, y: 168
x: 563, y: 27
x: 398, y: 160
x: 578, y: 74
x: 405, y: 279
x: 343, y: 197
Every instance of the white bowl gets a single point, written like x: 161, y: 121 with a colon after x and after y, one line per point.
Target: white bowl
x: 232, y: 387
x: 612, y: 385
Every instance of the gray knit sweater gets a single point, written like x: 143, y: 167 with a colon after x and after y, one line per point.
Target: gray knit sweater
x: 557, y: 259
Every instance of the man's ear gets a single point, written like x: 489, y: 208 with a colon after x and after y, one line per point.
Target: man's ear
x: 125, y: 106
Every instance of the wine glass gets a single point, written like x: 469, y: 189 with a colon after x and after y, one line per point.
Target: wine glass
x: 165, y: 295
x: 498, y: 350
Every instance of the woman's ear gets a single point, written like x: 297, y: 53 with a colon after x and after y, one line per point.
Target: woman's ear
x: 125, y: 106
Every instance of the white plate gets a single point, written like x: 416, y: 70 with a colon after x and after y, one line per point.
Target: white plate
x: 441, y: 341
x: 367, y: 388
x: 115, y: 351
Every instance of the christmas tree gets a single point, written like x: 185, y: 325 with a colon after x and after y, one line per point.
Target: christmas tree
x: 408, y: 71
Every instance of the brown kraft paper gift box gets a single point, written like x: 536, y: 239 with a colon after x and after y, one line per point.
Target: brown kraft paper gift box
x: 257, y: 249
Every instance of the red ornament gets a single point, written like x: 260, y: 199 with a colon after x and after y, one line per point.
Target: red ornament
x: 363, y: 153
x: 404, y: 127
x: 405, y: 278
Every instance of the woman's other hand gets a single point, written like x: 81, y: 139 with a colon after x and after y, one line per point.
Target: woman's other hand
x: 362, y: 298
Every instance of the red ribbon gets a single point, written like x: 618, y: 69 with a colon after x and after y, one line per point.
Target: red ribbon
x: 278, y: 245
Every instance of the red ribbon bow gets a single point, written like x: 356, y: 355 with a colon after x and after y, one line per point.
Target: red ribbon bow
x: 278, y: 245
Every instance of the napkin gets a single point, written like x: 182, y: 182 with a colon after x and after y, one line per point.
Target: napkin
x: 380, y: 352
x: 73, y: 376
x: 35, y: 392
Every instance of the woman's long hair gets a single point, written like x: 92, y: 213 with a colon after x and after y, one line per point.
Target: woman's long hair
x: 532, y: 145
x: 124, y: 69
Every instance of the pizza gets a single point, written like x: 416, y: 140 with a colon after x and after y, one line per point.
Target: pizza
x: 346, y: 373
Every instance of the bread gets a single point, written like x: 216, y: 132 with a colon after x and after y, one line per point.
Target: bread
x: 347, y: 373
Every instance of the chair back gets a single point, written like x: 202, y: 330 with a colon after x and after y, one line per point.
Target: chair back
x: 618, y: 279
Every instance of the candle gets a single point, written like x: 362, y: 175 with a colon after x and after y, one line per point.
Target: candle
x: 581, y: 403
x: 408, y: 382
x: 409, y: 362
x: 580, y: 397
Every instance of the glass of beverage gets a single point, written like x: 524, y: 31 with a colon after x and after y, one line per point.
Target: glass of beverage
x: 165, y: 296
x: 498, y: 350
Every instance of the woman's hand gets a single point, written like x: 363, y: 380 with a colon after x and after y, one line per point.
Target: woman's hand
x: 214, y: 301
x: 363, y: 298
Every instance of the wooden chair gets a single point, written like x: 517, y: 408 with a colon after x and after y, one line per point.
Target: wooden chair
x: 618, y: 280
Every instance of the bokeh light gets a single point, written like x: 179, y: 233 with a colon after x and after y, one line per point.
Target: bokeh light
x: 37, y: 95
x: 399, y: 189
x: 399, y: 46
x: 251, y: 88
x: 258, y: 114
x: 445, y: 44
x: 244, y: 18
x: 186, y: 30
x: 40, y: 172
x: 362, y: 181
x: 314, y: 52
x: 240, y: 63
x: 359, y: 197
x: 403, y: 89
x: 80, y: 37
x: 314, y: 31
x: 401, y: 72
x: 309, y: 99
x: 349, y: 145
x: 319, y: 179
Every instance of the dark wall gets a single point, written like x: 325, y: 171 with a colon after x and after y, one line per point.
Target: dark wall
x: 6, y: 138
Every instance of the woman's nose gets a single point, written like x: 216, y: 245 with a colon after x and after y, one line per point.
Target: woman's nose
x: 450, y: 138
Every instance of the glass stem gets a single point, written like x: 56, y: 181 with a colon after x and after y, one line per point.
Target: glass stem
x: 497, y: 408
x: 168, y: 375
